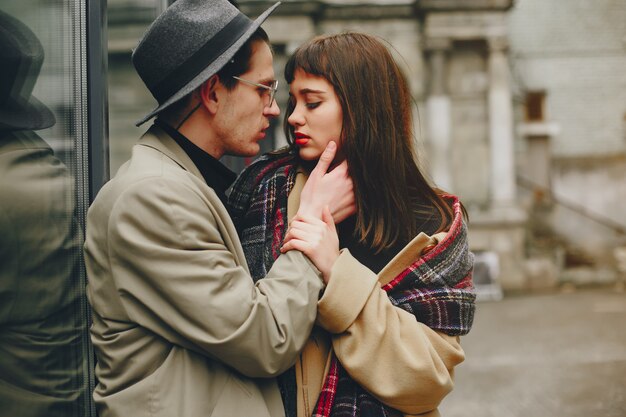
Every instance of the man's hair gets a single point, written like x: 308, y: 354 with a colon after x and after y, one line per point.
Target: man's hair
x: 241, y: 61
x: 377, y: 135
x: 238, y: 65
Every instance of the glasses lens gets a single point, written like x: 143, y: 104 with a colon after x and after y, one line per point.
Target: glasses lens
x: 272, y: 92
x: 273, y: 89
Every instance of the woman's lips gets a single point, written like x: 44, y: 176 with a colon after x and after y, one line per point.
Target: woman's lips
x: 301, y: 138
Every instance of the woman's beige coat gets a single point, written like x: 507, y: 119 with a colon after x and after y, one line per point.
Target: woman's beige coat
x: 179, y: 328
x: 402, y: 362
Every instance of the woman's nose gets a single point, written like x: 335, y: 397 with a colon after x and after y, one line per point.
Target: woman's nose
x: 295, y: 118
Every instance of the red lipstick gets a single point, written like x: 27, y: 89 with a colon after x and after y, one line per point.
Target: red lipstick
x: 301, y: 138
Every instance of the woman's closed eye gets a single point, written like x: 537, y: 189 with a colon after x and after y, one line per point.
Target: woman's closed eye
x: 313, y: 105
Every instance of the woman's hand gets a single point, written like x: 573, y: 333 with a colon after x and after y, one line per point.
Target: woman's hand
x: 316, y: 238
x: 333, y: 189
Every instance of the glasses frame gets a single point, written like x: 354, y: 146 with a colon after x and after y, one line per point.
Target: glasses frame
x: 271, y: 88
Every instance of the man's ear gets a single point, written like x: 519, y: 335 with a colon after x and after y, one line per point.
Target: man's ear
x: 209, y: 93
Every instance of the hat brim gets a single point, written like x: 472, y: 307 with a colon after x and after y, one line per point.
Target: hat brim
x: 212, y: 69
x: 29, y: 115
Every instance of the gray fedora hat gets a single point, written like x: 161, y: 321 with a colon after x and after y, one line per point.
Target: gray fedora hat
x: 187, y: 44
x: 21, y: 58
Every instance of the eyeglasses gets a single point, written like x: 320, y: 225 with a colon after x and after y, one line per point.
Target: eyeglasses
x: 271, y: 88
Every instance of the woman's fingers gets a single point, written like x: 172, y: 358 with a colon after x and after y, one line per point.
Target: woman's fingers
x: 306, y: 222
x: 333, y: 188
x: 304, y: 228
x: 325, y: 160
x: 295, y: 244
x: 327, y: 217
x: 316, y: 238
x: 295, y: 233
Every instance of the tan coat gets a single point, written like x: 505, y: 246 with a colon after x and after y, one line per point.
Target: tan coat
x: 179, y: 327
x: 402, y: 362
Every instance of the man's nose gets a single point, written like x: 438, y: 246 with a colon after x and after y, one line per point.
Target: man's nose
x: 272, y: 111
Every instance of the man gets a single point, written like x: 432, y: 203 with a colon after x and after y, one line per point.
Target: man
x: 179, y: 328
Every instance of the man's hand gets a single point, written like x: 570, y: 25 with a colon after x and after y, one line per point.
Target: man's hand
x: 316, y: 238
x: 333, y: 189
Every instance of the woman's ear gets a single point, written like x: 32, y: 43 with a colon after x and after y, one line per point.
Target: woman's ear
x: 209, y: 93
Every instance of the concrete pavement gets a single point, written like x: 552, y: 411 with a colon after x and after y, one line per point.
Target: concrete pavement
x: 544, y: 355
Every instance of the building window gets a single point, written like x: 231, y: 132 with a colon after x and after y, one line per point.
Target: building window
x: 535, y: 106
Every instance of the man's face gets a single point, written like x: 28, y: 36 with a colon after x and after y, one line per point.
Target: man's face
x: 244, y: 113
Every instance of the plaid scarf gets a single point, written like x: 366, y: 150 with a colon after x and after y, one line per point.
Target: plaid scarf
x: 437, y: 288
x: 258, y: 205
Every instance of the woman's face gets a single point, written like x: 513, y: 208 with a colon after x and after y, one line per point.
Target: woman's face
x: 317, y: 116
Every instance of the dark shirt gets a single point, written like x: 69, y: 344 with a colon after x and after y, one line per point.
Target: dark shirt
x: 216, y: 175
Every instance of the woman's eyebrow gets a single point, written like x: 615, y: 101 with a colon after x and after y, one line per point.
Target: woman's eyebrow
x: 305, y: 91
x: 311, y: 91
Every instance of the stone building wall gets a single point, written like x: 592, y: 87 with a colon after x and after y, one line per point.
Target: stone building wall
x: 575, y: 52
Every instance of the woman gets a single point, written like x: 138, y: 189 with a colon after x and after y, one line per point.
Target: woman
x: 400, y: 294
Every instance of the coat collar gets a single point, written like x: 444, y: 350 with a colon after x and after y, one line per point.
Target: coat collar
x: 158, y: 139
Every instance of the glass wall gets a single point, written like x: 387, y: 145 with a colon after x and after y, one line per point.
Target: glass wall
x: 46, y: 366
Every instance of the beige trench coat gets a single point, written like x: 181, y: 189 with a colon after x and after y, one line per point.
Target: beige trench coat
x: 179, y: 328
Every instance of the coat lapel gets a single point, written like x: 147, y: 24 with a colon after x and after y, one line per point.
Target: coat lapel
x: 156, y: 138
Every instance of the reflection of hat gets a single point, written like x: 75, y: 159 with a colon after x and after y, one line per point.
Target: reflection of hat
x: 187, y: 44
x: 21, y: 57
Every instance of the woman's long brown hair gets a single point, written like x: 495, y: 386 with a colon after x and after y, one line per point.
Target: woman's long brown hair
x: 377, y: 136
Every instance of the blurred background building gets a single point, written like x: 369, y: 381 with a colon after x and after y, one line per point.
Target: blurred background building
x: 520, y: 110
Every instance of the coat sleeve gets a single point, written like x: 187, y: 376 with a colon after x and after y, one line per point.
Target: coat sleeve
x: 177, y: 278
x: 402, y: 362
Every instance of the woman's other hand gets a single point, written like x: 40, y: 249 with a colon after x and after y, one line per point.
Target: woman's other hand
x: 316, y: 238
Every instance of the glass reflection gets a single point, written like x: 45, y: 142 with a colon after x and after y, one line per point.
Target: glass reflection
x: 42, y: 325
